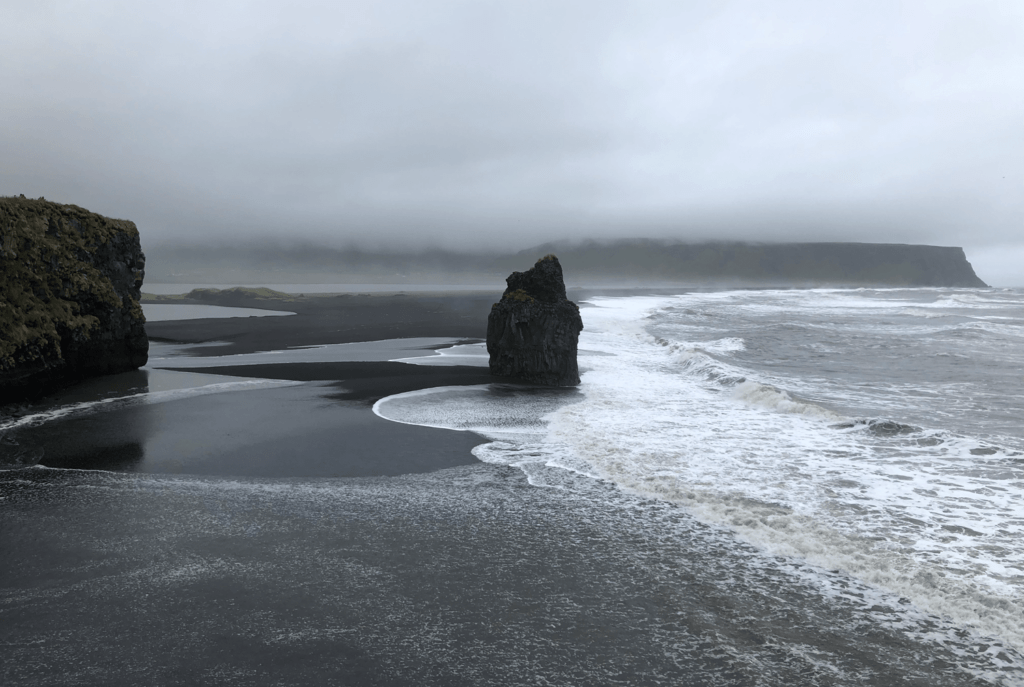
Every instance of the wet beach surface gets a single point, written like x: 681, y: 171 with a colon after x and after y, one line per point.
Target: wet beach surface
x: 293, y: 431
x: 230, y: 420
x: 258, y: 524
x: 465, y: 576
x: 330, y: 319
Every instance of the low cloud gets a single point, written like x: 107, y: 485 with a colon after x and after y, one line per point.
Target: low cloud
x: 485, y: 124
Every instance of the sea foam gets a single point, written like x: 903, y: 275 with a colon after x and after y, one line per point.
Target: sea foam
x: 670, y: 412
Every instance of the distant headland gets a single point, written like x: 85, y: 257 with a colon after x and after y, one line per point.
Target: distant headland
x: 627, y: 262
x: 786, y: 264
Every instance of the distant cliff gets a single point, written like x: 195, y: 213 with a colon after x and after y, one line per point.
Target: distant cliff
x: 69, y: 296
x: 790, y: 264
x: 638, y: 261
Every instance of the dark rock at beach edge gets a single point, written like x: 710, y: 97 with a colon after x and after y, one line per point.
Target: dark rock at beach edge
x: 533, y: 331
x: 70, y: 284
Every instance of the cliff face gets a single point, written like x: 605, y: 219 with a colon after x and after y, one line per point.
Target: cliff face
x: 70, y: 285
x: 788, y: 264
x: 534, y: 330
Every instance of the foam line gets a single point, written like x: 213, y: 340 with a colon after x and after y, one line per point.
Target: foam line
x: 84, y: 408
x: 687, y: 403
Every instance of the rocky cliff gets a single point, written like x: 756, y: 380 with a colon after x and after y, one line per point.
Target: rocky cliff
x: 768, y: 264
x: 69, y: 296
x: 533, y: 331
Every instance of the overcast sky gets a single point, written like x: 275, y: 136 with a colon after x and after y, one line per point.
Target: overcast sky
x: 505, y: 124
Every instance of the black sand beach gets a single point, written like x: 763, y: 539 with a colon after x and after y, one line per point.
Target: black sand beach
x: 316, y: 430
x: 327, y: 319
x: 294, y: 431
x: 283, y: 534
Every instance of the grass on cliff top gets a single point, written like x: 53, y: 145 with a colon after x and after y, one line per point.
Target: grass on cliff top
x: 235, y: 293
x: 43, y: 277
x: 260, y: 293
x: 161, y: 298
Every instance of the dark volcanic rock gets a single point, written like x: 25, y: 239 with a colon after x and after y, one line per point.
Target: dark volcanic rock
x: 533, y: 331
x: 69, y: 296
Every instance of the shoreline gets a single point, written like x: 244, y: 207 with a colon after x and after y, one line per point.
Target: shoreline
x: 321, y: 320
x: 260, y: 562
x: 316, y: 422
x: 285, y: 431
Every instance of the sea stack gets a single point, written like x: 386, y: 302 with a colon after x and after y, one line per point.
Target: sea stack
x: 533, y: 331
x: 70, y: 285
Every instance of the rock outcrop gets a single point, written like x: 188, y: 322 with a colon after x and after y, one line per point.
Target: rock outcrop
x: 533, y: 331
x: 70, y: 285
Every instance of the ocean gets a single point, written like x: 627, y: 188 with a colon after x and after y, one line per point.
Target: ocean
x: 751, y: 487
x: 868, y: 439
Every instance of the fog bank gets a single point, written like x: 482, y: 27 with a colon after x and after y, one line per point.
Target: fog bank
x: 496, y: 126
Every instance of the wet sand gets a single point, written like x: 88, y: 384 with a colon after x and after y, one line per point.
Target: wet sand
x: 293, y: 431
x: 346, y: 318
x: 284, y: 534
x: 322, y: 426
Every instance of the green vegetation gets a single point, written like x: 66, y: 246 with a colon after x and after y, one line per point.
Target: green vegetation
x: 521, y: 296
x: 154, y: 298
x: 235, y: 292
x: 46, y: 274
